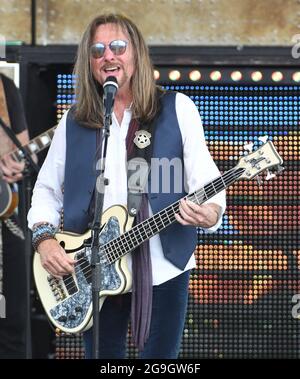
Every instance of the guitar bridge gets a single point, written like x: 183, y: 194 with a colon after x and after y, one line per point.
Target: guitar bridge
x: 56, y: 288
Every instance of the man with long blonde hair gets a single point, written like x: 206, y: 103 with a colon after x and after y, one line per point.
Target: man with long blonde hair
x: 112, y: 45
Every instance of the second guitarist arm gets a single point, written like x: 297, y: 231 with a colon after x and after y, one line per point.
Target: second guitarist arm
x: 11, y: 169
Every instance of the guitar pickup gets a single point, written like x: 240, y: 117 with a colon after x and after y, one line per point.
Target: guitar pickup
x: 70, y: 284
x: 85, y: 269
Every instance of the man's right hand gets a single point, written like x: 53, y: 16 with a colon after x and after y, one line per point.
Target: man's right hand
x: 54, y: 259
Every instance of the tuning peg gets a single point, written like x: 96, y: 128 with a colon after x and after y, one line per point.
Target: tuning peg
x: 259, y: 180
x: 263, y: 139
x: 270, y: 175
x: 249, y: 147
x: 279, y: 168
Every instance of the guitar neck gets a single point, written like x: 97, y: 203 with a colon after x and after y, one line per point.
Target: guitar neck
x: 35, y: 145
x: 133, y: 238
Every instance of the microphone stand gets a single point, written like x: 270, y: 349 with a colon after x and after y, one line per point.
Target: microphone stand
x: 96, y: 227
x: 26, y: 197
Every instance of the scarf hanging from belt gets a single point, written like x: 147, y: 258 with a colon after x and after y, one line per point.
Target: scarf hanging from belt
x: 141, y: 303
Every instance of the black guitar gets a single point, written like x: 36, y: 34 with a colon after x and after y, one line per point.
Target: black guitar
x: 8, y: 196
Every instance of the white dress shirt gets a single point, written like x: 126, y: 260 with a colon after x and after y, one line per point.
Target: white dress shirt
x: 47, y: 199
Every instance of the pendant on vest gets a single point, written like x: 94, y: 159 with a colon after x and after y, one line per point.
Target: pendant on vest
x: 142, y: 139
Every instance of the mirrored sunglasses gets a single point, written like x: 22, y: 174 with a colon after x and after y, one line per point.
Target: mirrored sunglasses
x: 118, y: 47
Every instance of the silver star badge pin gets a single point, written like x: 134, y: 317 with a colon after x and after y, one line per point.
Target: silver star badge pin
x: 142, y: 139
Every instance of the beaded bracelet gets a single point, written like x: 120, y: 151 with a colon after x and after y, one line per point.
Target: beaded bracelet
x: 41, y: 233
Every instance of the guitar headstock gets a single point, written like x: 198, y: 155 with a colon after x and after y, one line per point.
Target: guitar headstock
x: 264, y: 158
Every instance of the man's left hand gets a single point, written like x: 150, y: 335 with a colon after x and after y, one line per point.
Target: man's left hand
x: 205, y: 215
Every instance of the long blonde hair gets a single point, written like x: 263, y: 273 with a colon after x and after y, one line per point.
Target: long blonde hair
x: 89, y: 93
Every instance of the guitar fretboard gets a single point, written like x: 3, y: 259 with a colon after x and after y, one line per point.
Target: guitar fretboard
x: 35, y: 145
x: 133, y: 238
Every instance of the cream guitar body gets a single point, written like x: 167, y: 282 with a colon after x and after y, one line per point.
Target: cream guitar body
x: 68, y: 302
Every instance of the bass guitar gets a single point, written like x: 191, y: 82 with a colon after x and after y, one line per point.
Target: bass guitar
x: 8, y: 197
x: 68, y: 301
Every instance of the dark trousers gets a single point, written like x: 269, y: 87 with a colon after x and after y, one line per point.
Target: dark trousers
x: 12, y: 328
x: 167, y: 322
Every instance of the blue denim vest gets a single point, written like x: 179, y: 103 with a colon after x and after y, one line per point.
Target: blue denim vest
x: 178, y: 242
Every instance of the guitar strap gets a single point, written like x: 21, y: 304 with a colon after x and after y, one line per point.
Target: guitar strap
x: 138, y: 167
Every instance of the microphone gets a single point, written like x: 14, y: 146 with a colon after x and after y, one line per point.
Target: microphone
x: 110, y: 88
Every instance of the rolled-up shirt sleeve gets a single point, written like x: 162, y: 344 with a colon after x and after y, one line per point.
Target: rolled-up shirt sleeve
x: 47, y: 197
x: 199, y: 165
